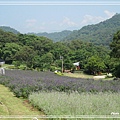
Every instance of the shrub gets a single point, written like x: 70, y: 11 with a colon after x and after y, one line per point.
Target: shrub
x: 116, y: 72
x: 16, y: 63
x: 22, y: 67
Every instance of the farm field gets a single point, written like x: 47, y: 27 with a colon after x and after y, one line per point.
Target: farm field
x: 56, y: 103
x: 62, y: 95
x: 22, y: 83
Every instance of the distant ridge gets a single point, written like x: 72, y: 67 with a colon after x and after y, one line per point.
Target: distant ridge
x: 9, y: 29
x: 56, y: 36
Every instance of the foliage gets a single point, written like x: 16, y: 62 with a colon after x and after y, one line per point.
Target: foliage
x: 41, y: 53
x: 25, y: 55
x: 94, y: 65
x: 115, y: 53
x: 47, y: 58
x: 99, y: 34
x: 22, y: 83
x: 6, y: 37
x: 117, y: 71
x: 10, y: 50
x: 115, y: 45
x: 9, y: 29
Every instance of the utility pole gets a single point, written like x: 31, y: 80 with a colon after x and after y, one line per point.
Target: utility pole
x: 61, y: 58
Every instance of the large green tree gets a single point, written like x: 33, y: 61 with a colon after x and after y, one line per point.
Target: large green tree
x: 115, y: 45
x: 115, y: 53
x: 26, y: 55
x: 94, y: 65
x: 46, y: 61
x: 9, y: 51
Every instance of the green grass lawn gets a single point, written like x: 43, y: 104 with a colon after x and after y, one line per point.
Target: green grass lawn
x: 78, y: 75
x: 83, y: 75
x: 10, y: 105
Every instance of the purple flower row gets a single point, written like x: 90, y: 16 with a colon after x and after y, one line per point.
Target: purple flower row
x: 22, y: 83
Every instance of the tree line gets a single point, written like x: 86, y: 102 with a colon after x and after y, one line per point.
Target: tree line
x: 41, y: 53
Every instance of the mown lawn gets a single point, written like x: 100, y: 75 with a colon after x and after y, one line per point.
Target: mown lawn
x: 11, y: 105
x: 85, y: 76
x: 79, y: 75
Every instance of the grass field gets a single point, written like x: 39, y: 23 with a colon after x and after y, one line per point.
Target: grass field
x: 84, y: 76
x: 10, y: 105
x: 79, y: 75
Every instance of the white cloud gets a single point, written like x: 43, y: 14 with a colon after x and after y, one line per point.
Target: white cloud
x: 89, y: 19
x: 109, y: 14
x: 33, y: 26
x: 67, y: 22
x: 31, y: 22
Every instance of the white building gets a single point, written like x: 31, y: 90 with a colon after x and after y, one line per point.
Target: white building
x: 76, y: 64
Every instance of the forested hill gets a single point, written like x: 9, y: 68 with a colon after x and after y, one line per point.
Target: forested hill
x: 9, y: 29
x: 41, y: 53
x: 99, y: 34
x: 56, y: 36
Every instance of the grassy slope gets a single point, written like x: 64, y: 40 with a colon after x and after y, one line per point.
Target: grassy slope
x: 10, y: 105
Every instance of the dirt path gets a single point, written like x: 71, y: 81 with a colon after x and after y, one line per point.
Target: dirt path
x: 99, y: 77
x: 12, y: 106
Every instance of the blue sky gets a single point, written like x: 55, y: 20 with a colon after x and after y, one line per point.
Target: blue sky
x: 54, y: 16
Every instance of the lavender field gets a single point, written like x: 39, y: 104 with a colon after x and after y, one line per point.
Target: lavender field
x: 22, y: 83
x: 60, y: 104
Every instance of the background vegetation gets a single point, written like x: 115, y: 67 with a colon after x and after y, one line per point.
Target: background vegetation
x: 26, y: 51
x: 99, y: 34
x: 33, y: 52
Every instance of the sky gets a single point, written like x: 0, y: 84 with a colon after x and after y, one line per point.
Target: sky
x: 55, y: 16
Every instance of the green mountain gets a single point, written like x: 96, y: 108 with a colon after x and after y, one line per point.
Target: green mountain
x: 56, y: 36
x: 99, y: 34
x: 9, y: 29
x: 7, y: 37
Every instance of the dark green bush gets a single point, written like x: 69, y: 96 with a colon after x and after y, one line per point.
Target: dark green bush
x: 117, y: 71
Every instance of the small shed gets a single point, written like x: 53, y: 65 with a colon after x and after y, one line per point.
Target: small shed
x: 77, y: 65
